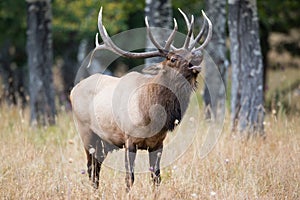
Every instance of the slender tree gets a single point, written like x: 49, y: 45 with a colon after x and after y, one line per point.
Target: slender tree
x: 247, y: 106
x: 40, y: 59
x: 159, y: 14
x: 216, y: 78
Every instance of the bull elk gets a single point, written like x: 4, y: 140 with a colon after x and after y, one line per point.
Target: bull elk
x: 137, y: 110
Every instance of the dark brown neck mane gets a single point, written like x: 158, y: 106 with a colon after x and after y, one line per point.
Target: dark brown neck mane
x: 171, y: 91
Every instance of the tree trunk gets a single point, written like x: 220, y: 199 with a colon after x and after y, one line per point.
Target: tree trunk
x: 247, y: 106
x: 40, y: 59
x: 7, y: 74
x: 159, y: 14
x: 216, y: 69
x: 69, y: 70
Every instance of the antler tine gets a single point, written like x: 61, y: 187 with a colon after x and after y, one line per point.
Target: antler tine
x: 102, y: 31
x: 156, y: 44
x: 187, y: 22
x: 198, y: 37
x: 98, y: 47
x: 209, y: 34
x: 190, y: 27
x: 108, y: 43
x: 189, y: 35
x: 172, y: 36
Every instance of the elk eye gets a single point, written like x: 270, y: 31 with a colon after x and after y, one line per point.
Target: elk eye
x: 173, y: 60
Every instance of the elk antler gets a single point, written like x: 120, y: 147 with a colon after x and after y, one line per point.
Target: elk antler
x: 109, y: 45
x: 161, y: 51
x: 190, y: 26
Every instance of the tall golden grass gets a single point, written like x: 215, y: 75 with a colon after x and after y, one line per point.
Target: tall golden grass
x: 49, y: 163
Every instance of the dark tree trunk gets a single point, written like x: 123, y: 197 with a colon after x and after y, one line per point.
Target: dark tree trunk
x: 159, y: 14
x: 265, y: 48
x: 40, y: 59
x: 216, y: 69
x: 247, y: 106
x: 69, y: 70
x: 13, y: 83
x: 7, y: 75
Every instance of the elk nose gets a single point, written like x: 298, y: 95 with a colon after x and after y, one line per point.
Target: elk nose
x: 196, y: 67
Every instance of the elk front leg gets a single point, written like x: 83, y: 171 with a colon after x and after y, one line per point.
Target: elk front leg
x: 89, y: 163
x: 96, y: 174
x: 154, y: 159
x: 130, y: 154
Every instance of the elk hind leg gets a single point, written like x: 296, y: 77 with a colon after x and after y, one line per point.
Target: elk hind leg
x: 96, y: 155
x: 130, y: 154
x: 89, y: 163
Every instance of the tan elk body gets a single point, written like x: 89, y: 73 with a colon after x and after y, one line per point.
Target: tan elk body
x: 137, y: 110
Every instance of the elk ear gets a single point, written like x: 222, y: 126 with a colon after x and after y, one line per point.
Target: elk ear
x: 153, y: 69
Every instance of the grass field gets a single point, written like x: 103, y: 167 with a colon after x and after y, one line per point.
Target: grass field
x: 49, y: 163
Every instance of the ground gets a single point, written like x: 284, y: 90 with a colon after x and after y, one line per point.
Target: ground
x: 49, y: 163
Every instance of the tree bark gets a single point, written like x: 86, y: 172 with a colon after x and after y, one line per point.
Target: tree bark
x: 247, y: 106
x: 216, y: 69
x: 40, y: 60
x: 159, y: 14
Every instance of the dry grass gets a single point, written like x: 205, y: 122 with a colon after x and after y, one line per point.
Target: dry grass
x: 47, y: 163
